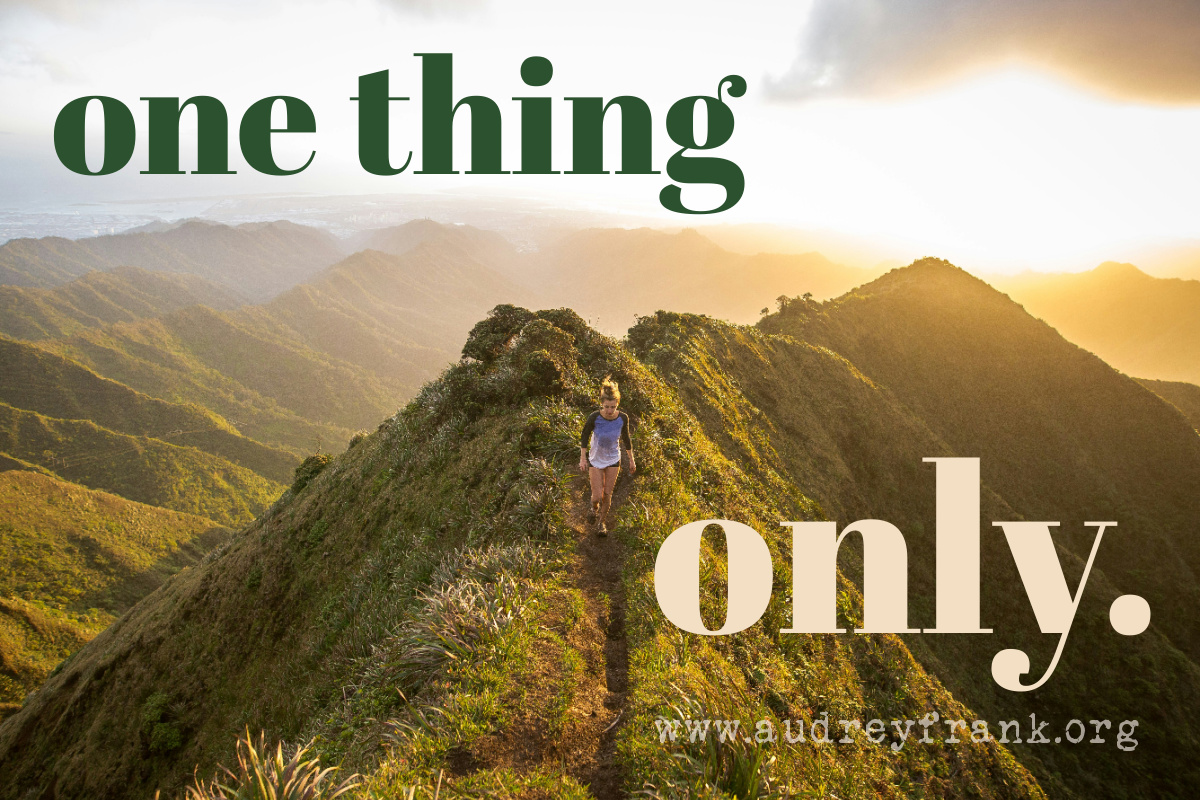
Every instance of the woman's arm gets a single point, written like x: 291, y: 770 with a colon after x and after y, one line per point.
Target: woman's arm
x: 627, y: 443
x: 585, y: 438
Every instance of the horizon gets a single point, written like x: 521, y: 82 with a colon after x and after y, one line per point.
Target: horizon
x: 345, y: 216
x: 1002, y: 153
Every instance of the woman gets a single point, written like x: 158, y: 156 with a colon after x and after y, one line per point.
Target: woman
x: 608, y: 432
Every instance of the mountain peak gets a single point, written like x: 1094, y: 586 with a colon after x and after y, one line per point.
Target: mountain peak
x: 929, y: 274
x: 1118, y: 269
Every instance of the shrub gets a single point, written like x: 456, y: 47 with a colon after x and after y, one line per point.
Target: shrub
x: 309, y: 468
x: 490, y: 337
x: 164, y: 735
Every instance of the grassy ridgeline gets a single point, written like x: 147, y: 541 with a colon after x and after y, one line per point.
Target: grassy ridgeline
x: 417, y: 610
x: 340, y: 615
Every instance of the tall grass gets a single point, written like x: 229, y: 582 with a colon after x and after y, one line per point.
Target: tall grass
x: 263, y: 775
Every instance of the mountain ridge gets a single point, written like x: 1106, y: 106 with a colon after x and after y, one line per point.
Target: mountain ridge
x: 816, y: 412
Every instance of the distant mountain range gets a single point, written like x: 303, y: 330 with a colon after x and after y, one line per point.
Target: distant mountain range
x: 1144, y: 326
x: 255, y: 260
x: 611, y: 276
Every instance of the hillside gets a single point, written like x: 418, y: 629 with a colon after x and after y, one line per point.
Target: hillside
x: 148, y: 470
x: 319, y: 361
x: 100, y: 298
x: 767, y: 402
x: 400, y: 316
x: 1143, y: 326
x: 610, y: 276
x: 246, y: 368
x: 1184, y: 396
x: 430, y: 604
x: 259, y: 260
x: 73, y: 561
x: 467, y: 493
x: 1061, y: 434
x: 36, y: 380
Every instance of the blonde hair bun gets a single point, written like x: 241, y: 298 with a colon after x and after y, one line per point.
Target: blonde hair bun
x: 609, y: 390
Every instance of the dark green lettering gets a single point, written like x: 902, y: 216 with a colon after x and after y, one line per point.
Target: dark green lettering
x: 212, y: 136
x: 696, y: 169
x: 373, y: 125
x: 535, y: 119
x: 587, y: 135
x: 437, y: 122
x: 119, y: 135
x: 256, y: 130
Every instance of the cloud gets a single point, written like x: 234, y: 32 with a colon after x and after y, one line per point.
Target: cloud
x: 1144, y: 51
x: 62, y: 10
x: 436, y: 8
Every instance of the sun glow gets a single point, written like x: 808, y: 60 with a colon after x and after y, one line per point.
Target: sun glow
x: 1008, y: 171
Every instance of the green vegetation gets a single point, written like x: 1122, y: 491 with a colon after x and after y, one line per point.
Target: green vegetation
x: 262, y: 776
x: 59, y: 388
x: 73, y: 561
x: 101, y: 298
x: 309, y: 468
x: 139, y: 468
x: 427, y: 613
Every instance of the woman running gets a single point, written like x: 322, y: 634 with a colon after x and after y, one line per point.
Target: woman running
x: 608, y: 431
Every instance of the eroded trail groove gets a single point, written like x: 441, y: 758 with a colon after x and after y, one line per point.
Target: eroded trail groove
x: 598, y: 577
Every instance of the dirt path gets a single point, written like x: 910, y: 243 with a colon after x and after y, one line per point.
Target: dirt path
x: 598, y: 576
x: 585, y: 746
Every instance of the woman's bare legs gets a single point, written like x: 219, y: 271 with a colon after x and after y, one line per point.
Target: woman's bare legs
x: 603, y: 481
x: 597, y: 476
x: 610, y: 480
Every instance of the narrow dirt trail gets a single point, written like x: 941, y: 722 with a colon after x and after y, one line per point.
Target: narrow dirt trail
x: 599, y: 560
x: 585, y: 745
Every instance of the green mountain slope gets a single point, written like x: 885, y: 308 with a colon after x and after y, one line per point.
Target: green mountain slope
x: 36, y: 380
x: 73, y: 560
x: 45, y: 262
x: 1141, y: 325
x: 139, y: 468
x: 468, y: 494
x: 101, y: 298
x: 1184, y: 396
x: 857, y: 449
x: 243, y: 367
x: 1062, y: 435
x: 317, y: 362
x: 258, y: 260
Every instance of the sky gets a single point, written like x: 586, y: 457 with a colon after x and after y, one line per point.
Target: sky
x: 1050, y: 134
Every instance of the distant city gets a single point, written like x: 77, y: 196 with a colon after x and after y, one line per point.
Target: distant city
x: 521, y: 219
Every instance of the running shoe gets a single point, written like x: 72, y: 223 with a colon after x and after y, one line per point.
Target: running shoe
x: 591, y: 517
x: 602, y: 529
